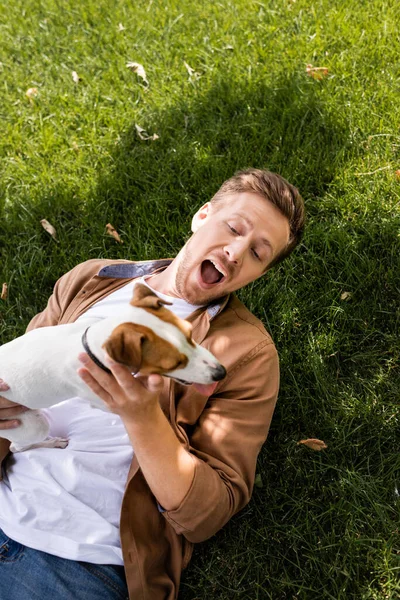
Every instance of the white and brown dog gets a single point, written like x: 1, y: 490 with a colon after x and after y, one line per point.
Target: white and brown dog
x: 40, y: 367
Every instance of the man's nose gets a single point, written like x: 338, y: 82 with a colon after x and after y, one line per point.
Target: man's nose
x: 235, y: 251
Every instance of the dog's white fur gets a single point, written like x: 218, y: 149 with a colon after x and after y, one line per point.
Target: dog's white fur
x: 41, y: 366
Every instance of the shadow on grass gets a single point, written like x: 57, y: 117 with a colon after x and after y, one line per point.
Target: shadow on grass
x: 302, y: 530
x: 204, y: 139
x: 150, y: 194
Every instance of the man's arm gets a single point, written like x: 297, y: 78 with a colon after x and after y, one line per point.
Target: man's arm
x: 203, y: 488
x: 166, y: 465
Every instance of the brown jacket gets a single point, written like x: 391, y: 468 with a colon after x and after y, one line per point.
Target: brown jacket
x: 224, y: 432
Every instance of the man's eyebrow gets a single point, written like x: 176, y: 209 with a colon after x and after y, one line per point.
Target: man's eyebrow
x: 251, y: 225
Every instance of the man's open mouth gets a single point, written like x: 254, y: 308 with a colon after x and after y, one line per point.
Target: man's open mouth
x: 211, y: 273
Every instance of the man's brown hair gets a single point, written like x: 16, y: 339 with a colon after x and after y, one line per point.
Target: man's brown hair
x: 276, y: 189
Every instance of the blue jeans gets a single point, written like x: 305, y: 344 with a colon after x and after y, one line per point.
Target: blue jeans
x: 27, y: 574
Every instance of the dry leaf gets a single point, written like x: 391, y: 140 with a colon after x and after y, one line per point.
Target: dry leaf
x: 346, y: 296
x: 111, y: 231
x: 189, y: 68
x: 317, y: 72
x: 49, y: 228
x: 4, y: 292
x: 120, y: 27
x: 397, y: 173
x: 31, y: 93
x: 142, y: 133
x: 258, y: 482
x: 139, y: 70
x: 192, y: 72
x: 76, y: 77
x: 314, y: 444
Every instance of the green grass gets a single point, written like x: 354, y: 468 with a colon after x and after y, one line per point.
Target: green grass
x: 321, y: 525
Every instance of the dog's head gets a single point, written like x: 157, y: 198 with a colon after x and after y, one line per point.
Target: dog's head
x: 154, y: 340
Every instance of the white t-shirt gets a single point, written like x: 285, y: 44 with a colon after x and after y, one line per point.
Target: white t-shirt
x: 68, y: 502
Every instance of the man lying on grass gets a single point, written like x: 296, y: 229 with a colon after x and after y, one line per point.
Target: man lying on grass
x: 116, y: 513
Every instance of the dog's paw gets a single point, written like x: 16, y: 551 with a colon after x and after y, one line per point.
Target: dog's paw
x: 55, y: 442
x: 61, y: 443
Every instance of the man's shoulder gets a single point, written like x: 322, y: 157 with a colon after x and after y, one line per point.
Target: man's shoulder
x: 239, y: 339
x: 242, y: 323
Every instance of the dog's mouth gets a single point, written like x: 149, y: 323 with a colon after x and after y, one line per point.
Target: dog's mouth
x: 206, y: 389
x: 182, y: 381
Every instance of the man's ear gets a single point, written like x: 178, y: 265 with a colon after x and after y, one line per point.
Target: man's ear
x: 201, y: 216
x: 125, y: 345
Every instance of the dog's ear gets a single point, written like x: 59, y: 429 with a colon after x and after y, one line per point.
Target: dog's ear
x: 143, y: 297
x: 125, y: 345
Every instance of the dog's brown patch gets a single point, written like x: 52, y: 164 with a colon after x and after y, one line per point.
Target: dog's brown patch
x: 139, y: 348
x: 143, y: 297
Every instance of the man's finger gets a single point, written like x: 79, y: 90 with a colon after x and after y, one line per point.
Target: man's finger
x: 9, y: 425
x: 94, y: 384
x: 155, y: 384
x: 3, y: 386
x: 124, y: 376
x: 10, y: 413
x: 103, y: 378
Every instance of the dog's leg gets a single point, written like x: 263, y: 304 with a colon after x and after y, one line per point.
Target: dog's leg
x: 32, y: 433
x: 55, y: 442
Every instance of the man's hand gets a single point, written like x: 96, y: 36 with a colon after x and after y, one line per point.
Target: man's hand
x: 9, y: 410
x: 127, y: 396
x: 166, y: 465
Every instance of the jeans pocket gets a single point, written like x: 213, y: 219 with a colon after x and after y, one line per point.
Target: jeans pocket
x: 111, y: 576
x: 10, y: 551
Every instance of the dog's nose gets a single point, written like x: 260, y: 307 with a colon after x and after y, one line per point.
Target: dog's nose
x: 218, y: 373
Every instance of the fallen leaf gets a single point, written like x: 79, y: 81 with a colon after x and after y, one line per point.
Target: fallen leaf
x: 120, y: 27
x: 4, y: 292
x: 139, y: 70
x: 317, y: 72
x: 397, y: 173
x: 314, y: 444
x: 49, y: 228
x: 258, y: 482
x: 111, y: 231
x: 32, y: 92
x: 76, y: 77
x: 346, y: 296
x: 142, y: 133
x: 192, y: 72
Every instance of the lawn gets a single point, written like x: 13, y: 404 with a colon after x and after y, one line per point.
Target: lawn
x: 228, y: 87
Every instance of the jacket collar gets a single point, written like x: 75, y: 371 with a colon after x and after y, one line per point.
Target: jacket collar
x: 130, y: 270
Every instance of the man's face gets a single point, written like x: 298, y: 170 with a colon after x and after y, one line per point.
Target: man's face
x: 232, y: 244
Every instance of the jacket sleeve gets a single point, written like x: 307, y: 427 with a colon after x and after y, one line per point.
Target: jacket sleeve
x: 65, y: 288
x: 225, y: 445
x: 52, y: 313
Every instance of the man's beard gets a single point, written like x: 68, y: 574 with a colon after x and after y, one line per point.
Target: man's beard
x: 182, y: 273
x: 202, y: 297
